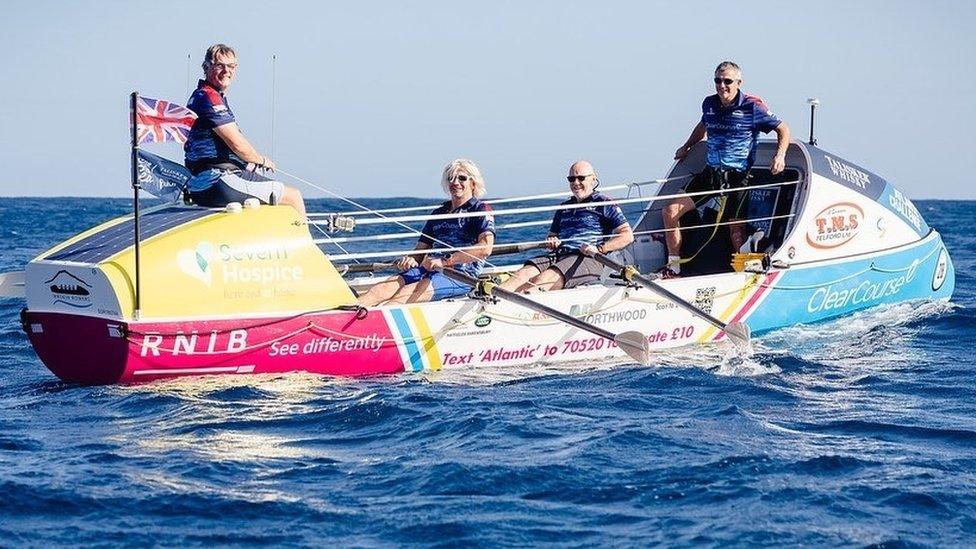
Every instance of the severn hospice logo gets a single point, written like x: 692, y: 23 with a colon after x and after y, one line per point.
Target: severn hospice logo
x: 196, y: 262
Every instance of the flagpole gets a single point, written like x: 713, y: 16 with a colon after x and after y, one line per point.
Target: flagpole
x: 135, y: 196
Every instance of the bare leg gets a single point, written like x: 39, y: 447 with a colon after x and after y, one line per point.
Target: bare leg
x: 381, y: 292
x: 549, y: 279
x: 672, y: 221
x: 737, y: 233
x: 519, y: 281
x: 417, y: 292
x: 293, y: 197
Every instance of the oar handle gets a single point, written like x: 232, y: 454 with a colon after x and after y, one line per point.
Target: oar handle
x: 491, y: 289
x: 503, y: 249
x: 630, y: 273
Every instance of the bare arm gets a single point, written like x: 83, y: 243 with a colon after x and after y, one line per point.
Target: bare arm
x: 481, y: 250
x: 622, y: 237
x: 410, y: 261
x: 782, y: 142
x: 232, y: 136
x: 697, y: 135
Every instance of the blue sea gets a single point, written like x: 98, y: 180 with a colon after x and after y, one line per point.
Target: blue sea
x: 856, y: 432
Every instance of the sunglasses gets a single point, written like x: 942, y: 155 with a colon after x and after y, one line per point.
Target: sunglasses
x: 459, y: 177
x: 579, y: 178
x: 726, y: 81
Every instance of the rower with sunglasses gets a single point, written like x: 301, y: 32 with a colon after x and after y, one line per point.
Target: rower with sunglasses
x: 420, y: 278
x: 731, y: 121
x: 225, y: 166
x: 574, y: 235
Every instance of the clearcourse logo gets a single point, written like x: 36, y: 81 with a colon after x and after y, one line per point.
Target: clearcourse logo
x: 835, y: 225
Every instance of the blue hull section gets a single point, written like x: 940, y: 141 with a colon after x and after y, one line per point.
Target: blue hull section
x: 808, y: 294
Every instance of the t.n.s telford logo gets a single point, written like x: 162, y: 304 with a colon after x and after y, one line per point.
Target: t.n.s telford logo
x: 835, y: 225
x: 68, y: 289
x: 237, y: 264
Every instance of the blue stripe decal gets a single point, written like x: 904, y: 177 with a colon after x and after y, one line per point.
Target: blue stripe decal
x: 416, y: 358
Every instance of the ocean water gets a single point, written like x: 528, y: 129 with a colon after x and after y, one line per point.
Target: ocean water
x: 856, y: 432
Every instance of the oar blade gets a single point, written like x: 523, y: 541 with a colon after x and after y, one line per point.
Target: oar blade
x: 738, y: 332
x: 635, y: 345
x: 12, y: 284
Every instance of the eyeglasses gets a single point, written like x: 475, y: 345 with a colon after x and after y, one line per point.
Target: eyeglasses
x: 579, y: 178
x: 225, y: 66
x: 459, y: 177
x: 726, y: 81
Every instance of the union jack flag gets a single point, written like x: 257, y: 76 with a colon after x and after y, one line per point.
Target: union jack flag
x: 158, y: 121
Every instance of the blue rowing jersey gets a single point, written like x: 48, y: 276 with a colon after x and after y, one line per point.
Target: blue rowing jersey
x: 590, y: 225
x: 733, y: 130
x: 459, y: 232
x: 203, y: 146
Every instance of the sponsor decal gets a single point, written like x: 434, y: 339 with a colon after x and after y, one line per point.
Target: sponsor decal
x: 482, y: 321
x: 835, y: 225
x: 68, y: 289
x: 791, y: 252
x: 196, y: 262
x: 853, y: 294
x: 238, y: 264
x: 578, y: 310
x: 941, y: 270
x: 616, y: 316
x: 704, y: 299
x: 193, y: 343
x: 901, y: 204
x: 848, y: 173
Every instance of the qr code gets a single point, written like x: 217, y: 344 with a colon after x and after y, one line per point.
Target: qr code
x: 704, y: 297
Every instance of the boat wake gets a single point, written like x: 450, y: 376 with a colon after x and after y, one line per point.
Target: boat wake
x: 875, y: 336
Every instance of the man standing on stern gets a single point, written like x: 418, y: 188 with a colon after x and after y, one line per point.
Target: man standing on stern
x: 731, y: 120
x: 223, y: 162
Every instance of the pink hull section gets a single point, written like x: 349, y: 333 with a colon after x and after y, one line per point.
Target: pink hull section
x: 331, y: 343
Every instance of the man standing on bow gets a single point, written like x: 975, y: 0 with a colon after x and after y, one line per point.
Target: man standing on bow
x: 223, y: 162
x: 731, y: 120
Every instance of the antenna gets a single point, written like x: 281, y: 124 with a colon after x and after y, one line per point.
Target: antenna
x: 813, y: 102
x: 274, y: 59
x: 189, y: 89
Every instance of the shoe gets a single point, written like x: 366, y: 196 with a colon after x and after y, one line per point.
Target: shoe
x: 666, y: 273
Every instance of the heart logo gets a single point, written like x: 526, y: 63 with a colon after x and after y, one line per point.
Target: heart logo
x: 196, y: 263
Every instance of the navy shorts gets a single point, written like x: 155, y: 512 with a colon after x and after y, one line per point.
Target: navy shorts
x: 443, y: 286
x: 712, y: 179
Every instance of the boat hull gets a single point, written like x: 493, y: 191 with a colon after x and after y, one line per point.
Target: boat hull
x: 471, y: 333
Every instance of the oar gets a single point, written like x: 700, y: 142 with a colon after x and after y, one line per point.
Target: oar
x: 737, y: 331
x: 502, y: 249
x: 633, y: 343
x: 12, y: 284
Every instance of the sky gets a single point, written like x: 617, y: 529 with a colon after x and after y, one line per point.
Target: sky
x: 372, y: 99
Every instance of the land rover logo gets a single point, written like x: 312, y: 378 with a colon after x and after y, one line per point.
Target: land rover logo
x: 941, y: 270
x: 482, y: 321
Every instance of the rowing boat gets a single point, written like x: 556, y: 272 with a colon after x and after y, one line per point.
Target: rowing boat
x: 248, y: 290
